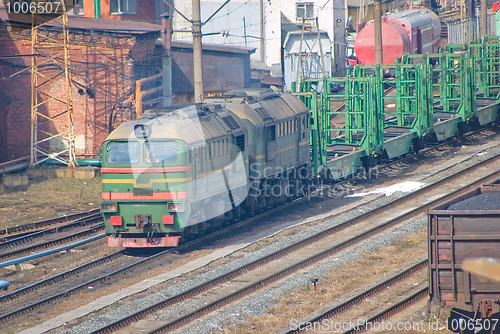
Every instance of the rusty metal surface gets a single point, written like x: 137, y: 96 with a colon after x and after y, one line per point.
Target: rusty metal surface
x: 454, y: 235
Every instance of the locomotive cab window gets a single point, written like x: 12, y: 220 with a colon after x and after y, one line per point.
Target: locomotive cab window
x: 240, y: 142
x: 123, y: 153
x: 271, y: 133
x: 161, y: 152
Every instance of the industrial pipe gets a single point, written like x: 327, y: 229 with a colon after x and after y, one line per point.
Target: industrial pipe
x: 51, y: 251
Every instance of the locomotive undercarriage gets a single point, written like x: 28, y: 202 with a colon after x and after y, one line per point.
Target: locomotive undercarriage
x: 264, y: 194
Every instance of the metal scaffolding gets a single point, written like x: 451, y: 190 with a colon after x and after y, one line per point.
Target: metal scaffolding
x: 50, y: 66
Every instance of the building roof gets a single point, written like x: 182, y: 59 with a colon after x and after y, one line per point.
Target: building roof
x: 88, y: 23
x: 210, y: 47
x: 357, y: 3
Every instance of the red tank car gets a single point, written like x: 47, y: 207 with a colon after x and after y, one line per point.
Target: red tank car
x: 414, y: 31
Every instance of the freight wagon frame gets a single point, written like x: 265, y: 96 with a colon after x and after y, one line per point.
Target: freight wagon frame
x: 455, y: 234
x: 437, y: 97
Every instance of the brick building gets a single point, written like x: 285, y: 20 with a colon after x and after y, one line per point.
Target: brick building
x: 131, y: 10
x: 107, y: 57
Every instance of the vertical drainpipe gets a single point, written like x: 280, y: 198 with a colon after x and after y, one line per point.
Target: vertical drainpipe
x: 97, y: 9
x: 166, y: 37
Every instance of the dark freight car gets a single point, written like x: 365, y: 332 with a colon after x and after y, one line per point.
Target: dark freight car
x: 466, y: 226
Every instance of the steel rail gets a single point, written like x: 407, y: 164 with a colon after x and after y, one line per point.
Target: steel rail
x: 59, y: 277
x: 361, y: 296
x: 305, y: 263
x: 184, y: 247
x: 130, y: 268
x: 391, y: 310
x: 47, y: 222
x: 15, y: 240
x: 59, y: 241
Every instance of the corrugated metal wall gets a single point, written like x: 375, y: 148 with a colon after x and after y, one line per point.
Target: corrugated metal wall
x: 468, y: 31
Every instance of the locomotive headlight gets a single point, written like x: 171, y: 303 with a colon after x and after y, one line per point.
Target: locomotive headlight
x: 142, y: 131
x: 108, y: 207
x: 175, y: 207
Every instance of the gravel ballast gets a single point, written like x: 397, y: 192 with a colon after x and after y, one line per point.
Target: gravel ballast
x: 487, y: 201
x: 262, y: 301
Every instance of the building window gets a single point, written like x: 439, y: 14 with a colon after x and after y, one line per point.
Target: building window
x: 77, y: 10
x: 305, y: 10
x: 123, y: 6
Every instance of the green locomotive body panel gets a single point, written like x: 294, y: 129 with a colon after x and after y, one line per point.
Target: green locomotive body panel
x: 160, y: 168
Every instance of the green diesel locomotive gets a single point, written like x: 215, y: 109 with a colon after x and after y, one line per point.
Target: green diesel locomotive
x: 179, y: 171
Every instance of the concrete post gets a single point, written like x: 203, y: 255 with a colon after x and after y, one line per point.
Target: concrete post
x: 197, y: 53
x: 167, y: 58
x: 262, y: 31
x: 483, y: 22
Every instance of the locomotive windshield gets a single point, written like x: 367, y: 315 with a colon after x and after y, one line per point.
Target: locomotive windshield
x: 123, y: 153
x: 158, y: 152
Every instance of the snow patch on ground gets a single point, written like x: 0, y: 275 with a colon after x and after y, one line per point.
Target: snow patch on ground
x: 405, y: 187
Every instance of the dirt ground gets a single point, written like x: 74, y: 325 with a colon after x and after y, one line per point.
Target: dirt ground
x: 44, y: 199
x: 307, y: 302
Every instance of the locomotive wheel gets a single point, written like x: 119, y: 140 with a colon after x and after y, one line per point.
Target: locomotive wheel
x: 187, y: 234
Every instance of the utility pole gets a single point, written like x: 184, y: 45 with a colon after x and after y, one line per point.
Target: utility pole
x: 377, y: 17
x: 197, y: 51
x: 245, y: 31
x: 167, y: 58
x: 197, y: 55
x: 262, y: 31
x: 483, y: 22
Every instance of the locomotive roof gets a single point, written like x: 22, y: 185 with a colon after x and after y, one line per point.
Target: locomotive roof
x: 192, y: 123
x: 256, y: 93
x: 261, y: 105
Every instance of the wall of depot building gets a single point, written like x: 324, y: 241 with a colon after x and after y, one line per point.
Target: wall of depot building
x: 104, y: 67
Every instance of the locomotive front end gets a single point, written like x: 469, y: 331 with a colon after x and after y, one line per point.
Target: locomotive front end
x: 145, y: 180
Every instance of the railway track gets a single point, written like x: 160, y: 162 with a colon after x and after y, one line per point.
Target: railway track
x: 22, y: 230
x: 391, y: 310
x: 17, y: 236
x: 52, y: 237
x: 59, y: 283
x: 101, y: 270
x: 254, y: 276
x: 337, y: 311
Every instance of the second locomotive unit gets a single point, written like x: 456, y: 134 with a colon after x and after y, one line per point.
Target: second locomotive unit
x: 176, y: 172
